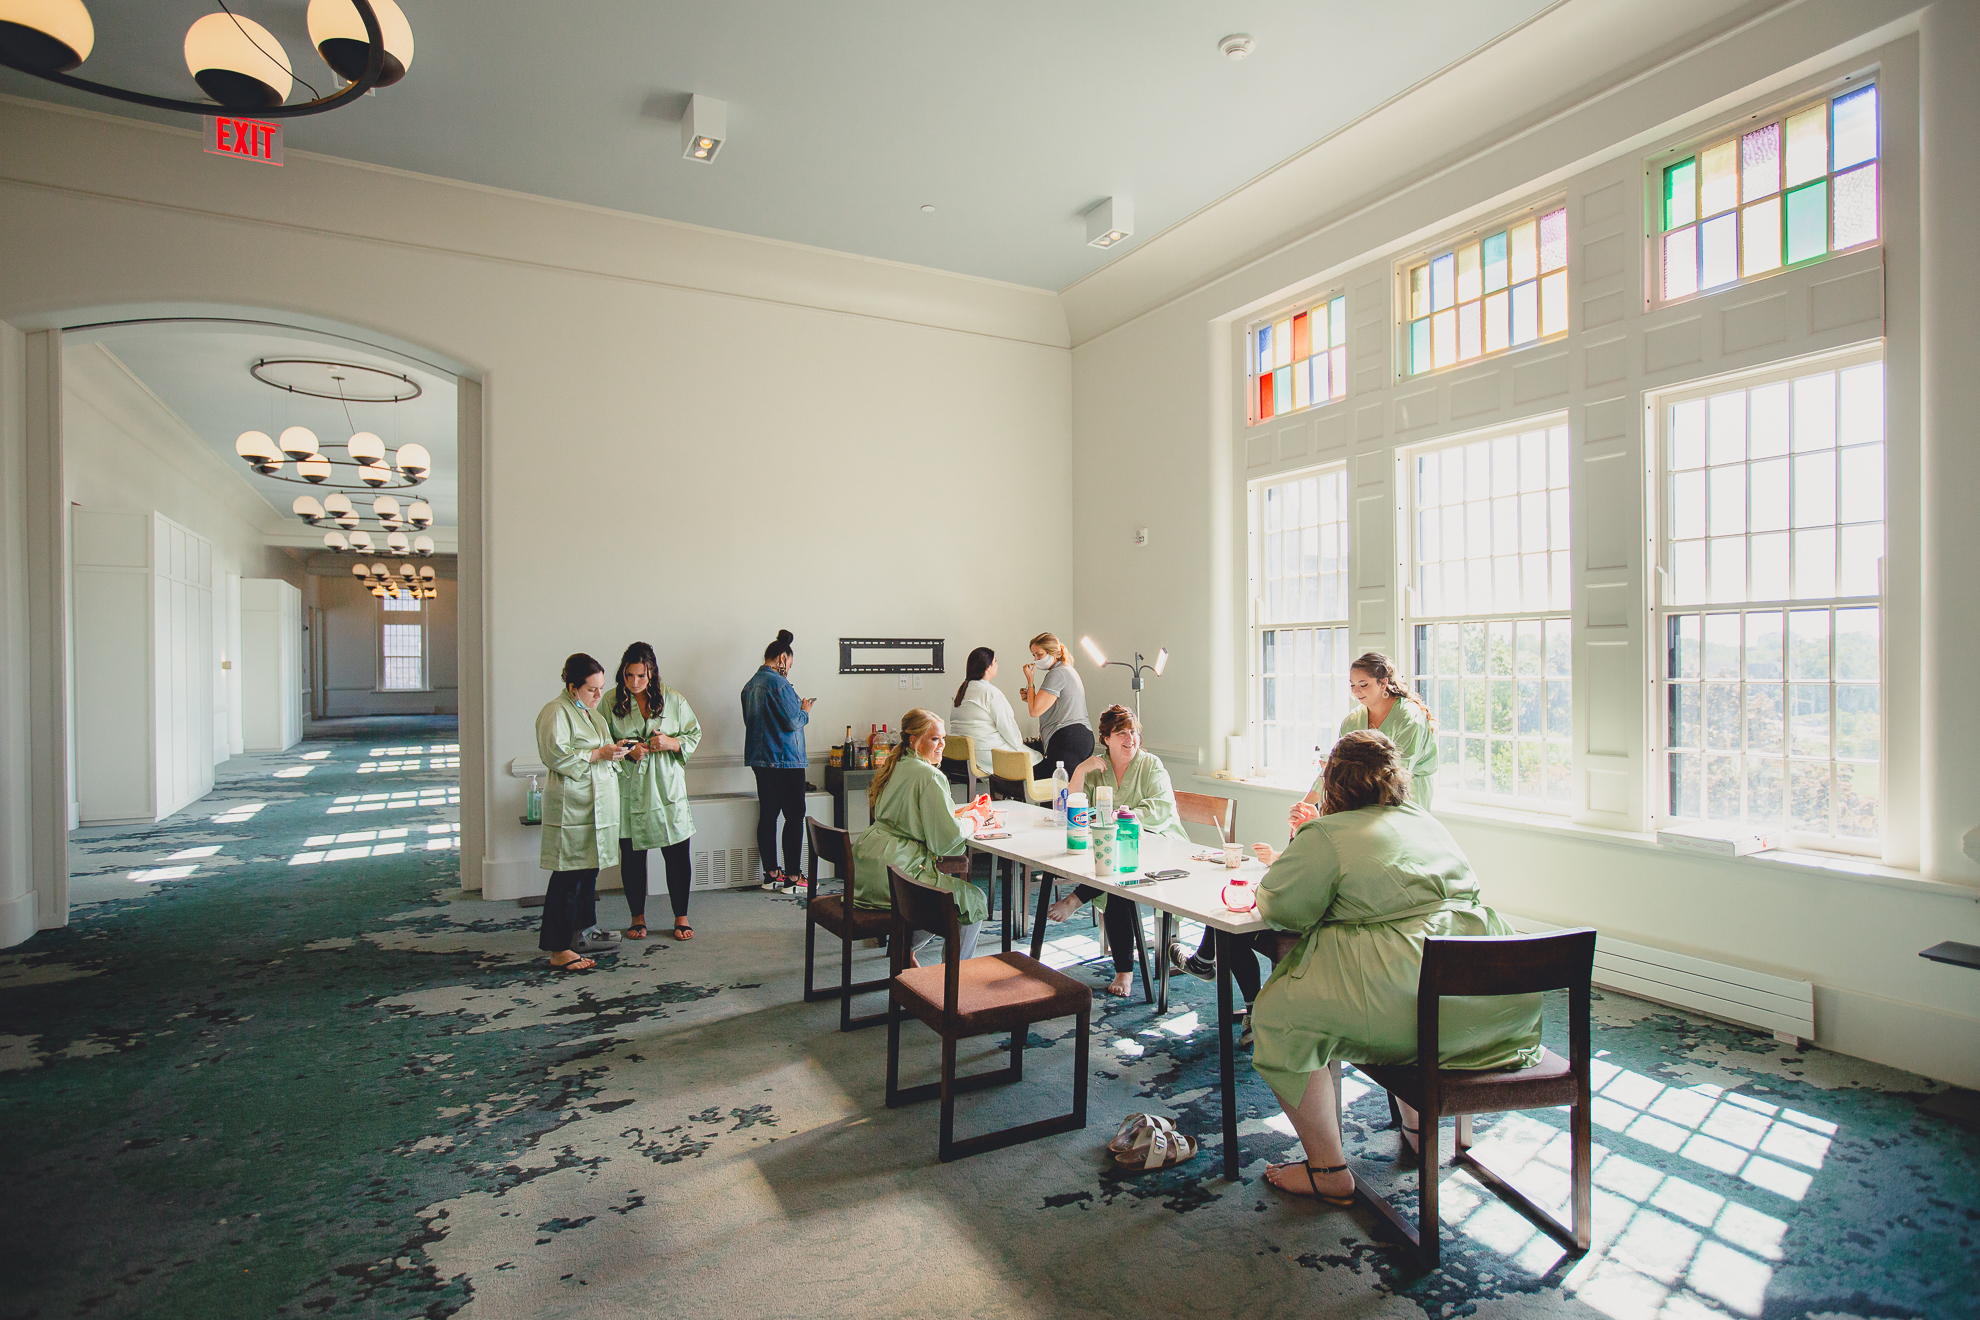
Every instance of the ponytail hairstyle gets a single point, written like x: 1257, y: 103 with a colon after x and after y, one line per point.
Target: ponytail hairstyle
x: 1053, y: 647
x: 579, y: 668
x: 979, y: 665
x: 1365, y: 769
x: 914, y: 725
x: 639, y: 653
x: 1383, y: 670
x: 782, y: 646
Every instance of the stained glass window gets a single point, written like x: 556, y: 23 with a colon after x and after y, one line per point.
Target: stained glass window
x: 1302, y: 641
x: 1298, y: 360
x: 1502, y: 291
x: 1789, y: 191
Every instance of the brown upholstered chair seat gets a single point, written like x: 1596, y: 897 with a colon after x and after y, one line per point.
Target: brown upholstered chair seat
x: 830, y: 912
x: 1546, y: 1084
x: 994, y: 993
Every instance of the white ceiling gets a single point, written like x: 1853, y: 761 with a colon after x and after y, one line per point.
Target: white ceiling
x: 201, y: 374
x: 846, y: 118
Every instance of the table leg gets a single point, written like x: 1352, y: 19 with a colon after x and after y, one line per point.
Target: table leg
x: 1227, y: 1055
x: 1004, y: 866
x: 1167, y: 929
x: 1039, y: 917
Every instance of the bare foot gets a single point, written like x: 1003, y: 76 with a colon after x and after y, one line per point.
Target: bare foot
x: 1064, y: 908
x: 1122, y: 985
x: 1293, y: 1178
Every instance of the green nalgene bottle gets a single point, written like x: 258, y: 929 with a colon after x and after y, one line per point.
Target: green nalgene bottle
x: 1127, y: 841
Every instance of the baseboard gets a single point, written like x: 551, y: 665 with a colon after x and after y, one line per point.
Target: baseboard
x: 1936, y: 1044
x: 18, y: 920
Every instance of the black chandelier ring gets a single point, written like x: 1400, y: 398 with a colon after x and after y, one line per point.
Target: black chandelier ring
x: 412, y: 388
x: 398, y: 480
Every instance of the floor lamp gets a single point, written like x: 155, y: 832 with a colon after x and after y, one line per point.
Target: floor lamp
x: 1138, y: 669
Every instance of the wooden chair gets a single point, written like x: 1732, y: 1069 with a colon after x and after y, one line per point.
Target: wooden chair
x: 1490, y: 966
x: 836, y: 914
x: 1202, y: 809
x: 961, y: 999
x: 959, y: 763
x: 1010, y: 777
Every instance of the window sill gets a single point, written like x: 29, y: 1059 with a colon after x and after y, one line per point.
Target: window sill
x: 1834, y: 865
x: 401, y: 692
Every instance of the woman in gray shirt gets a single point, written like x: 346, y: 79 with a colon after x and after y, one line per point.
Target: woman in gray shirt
x: 1052, y: 692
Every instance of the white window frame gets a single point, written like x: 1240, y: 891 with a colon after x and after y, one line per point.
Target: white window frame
x: 1450, y: 773
x: 1301, y: 777
x: 1404, y: 312
x: 403, y: 617
x: 1657, y: 412
x: 1306, y: 303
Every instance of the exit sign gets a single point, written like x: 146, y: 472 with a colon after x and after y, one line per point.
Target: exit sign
x: 245, y: 139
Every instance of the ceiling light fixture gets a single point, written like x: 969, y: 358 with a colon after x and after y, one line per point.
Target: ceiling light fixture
x: 1237, y: 45
x: 1110, y: 222
x: 704, y: 128
x: 237, y: 62
x: 927, y: 208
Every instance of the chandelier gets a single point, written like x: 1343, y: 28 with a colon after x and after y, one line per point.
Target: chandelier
x: 405, y: 580
x: 237, y: 62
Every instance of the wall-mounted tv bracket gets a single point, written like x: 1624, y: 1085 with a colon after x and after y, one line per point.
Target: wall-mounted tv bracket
x: 890, y: 655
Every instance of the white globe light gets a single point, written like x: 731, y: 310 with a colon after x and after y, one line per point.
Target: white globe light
x: 364, y: 447
x: 426, y: 573
x: 337, y: 502
x: 374, y: 475
x: 307, y: 508
x: 255, y: 446
x: 386, y: 507
x: 46, y: 36
x: 314, y: 468
x: 414, y: 460
x: 299, y: 442
x: 361, y: 570
x: 347, y: 520
x: 336, y: 541
x: 340, y: 38
x: 420, y: 513
x: 238, y: 62
x: 407, y: 571
x: 360, y: 540
x: 396, y: 543
x: 423, y: 545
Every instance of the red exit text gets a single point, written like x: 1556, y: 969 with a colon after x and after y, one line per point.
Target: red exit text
x: 245, y: 139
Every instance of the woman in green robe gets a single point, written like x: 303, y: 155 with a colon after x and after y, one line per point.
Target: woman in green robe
x: 1364, y: 885
x: 1382, y: 701
x: 914, y: 826
x: 653, y: 804
x: 580, y: 813
x: 1140, y: 783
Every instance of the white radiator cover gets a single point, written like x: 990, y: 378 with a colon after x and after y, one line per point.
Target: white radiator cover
x: 724, y: 851
x: 1731, y: 993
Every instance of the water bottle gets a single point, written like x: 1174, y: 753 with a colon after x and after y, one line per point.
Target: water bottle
x: 1127, y: 841
x: 1060, y: 783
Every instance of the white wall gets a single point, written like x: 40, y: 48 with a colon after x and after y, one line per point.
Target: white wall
x: 17, y: 896
x: 351, y: 618
x: 1157, y: 393
x: 690, y: 438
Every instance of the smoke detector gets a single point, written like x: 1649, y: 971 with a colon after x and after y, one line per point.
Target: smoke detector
x: 1237, y: 45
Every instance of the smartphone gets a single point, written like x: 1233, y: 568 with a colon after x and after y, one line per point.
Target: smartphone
x: 1004, y: 835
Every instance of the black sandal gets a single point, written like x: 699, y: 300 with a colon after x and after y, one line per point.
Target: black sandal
x: 1409, y: 1134
x: 1316, y: 1194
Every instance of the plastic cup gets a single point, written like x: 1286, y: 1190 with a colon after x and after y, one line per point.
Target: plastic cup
x: 1233, y: 856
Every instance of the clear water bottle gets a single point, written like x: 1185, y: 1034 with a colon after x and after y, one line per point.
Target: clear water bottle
x: 1060, y: 783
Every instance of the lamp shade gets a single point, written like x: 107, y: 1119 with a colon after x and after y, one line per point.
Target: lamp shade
x: 299, y: 442
x: 1161, y: 660
x: 361, y: 570
x: 343, y: 43
x: 314, y: 468
x: 1098, y: 657
x: 238, y: 62
x: 386, y: 508
x: 413, y: 460
x: 381, y: 570
x: 335, y: 541
x: 361, y: 541
x: 364, y: 447
x: 422, y: 545
x: 46, y: 36
x: 255, y: 447
x: 372, y: 474
x: 408, y: 571
x: 420, y: 513
x: 306, y: 507
x: 426, y: 573
x: 337, y: 503
x: 396, y: 543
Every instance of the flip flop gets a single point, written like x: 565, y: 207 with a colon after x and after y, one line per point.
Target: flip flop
x: 1316, y: 1194
x: 636, y: 931
x: 683, y: 931
x: 574, y: 965
x: 1165, y: 1147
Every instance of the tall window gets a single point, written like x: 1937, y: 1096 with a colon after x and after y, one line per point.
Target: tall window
x: 1301, y: 581
x: 1298, y: 360
x: 1773, y: 541
x: 1502, y: 291
x: 402, y: 644
x: 1490, y: 572
x: 1792, y: 190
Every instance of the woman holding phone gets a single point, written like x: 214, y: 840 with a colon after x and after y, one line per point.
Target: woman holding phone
x: 653, y: 805
x: 774, y: 717
x: 580, y: 814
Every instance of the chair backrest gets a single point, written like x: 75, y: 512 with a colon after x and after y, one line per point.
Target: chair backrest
x: 1491, y: 965
x: 827, y: 844
x: 1007, y: 764
x: 959, y: 747
x: 919, y: 906
x: 1204, y: 809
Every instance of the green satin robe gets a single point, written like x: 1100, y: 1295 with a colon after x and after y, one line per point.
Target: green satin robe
x: 914, y: 824
x: 1410, y: 731
x: 1365, y: 888
x: 1145, y: 790
x: 581, y: 801
x: 653, y: 803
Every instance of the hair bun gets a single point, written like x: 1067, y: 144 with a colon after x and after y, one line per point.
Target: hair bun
x: 784, y: 637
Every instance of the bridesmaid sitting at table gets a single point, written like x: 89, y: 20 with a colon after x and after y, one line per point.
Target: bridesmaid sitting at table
x: 1364, y: 883
x: 915, y: 825
x: 1140, y: 784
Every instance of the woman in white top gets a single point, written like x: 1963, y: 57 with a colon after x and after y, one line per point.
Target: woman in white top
x: 983, y: 713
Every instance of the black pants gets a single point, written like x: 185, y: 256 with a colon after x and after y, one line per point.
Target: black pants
x: 1244, y: 960
x: 569, y: 906
x: 632, y: 869
x: 1072, y: 743
x: 780, y: 793
x: 1120, y: 918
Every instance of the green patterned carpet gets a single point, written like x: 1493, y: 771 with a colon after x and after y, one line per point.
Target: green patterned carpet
x: 280, y: 1065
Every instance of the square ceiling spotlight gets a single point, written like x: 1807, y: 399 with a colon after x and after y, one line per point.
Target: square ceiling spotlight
x: 704, y: 128
x: 1110, y: 222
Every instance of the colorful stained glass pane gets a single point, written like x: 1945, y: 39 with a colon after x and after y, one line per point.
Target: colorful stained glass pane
x: 1302, y: 375
x: 1807, y: 155
x: 1494, y: 249
x: 1419, y: 345
x: 1760, y: 237
x: 1264, y: 397
x: 1856, y: 128
x: 1443, y: 337
x: 1282, y: 354
x: 1554, y: 303
x: 1302, y: 343
x: 1526, y: 312
x: 1339, y: 356
x: 1808, y: 221
x: 1681, y: 263
x: 1468, y: 275
x: 1856, y: 207
x: 1553, y: 240
x: 1471, y: 331
x: 1522, y: 252
x: 1443, y: 282
x: 1719, y: 251
x: 1419, y: 290
x: 1282, y: 391
x: 1264, y: 363
x: 1760, y: 163
x: 1498, y: 321
x: 1718, y: 188
x: 1681, y: 193
x: 1337, y: 322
